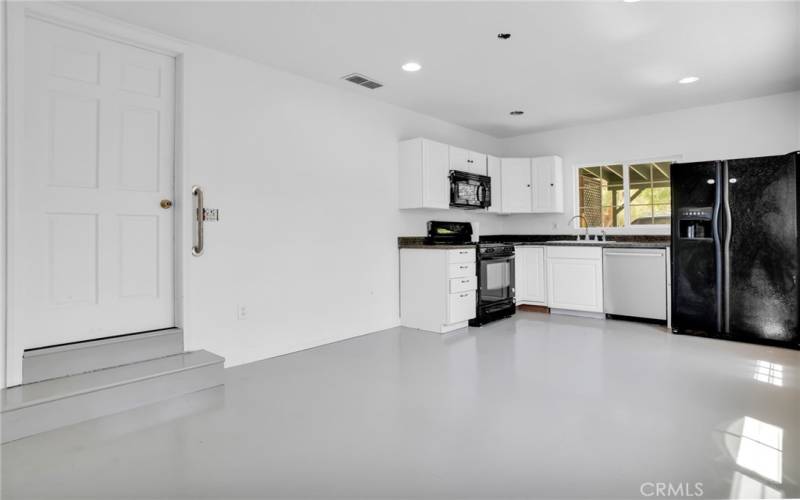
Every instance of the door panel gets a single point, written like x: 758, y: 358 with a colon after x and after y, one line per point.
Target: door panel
x: 73, y: 141
x: 530, y: 282
x: 459, y: 159
x: 496, y: 279
x: 139, y: 155
x: 92, y: 248
x: 763, y: 249
x: 695, y: 284
x: 493, y: 171
x: 575, y: 284
x: 516, y: 179
x: 477, y: 163
x: 460, y: 307
x: 543, y: 184
x: 436, y: 185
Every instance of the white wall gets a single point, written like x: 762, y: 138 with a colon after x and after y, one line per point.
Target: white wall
x: 755, y: 127
x: 305, y: 176
x: 306, y: 179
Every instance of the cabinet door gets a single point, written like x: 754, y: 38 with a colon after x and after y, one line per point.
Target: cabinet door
x: 520, y: 271
x: 459, y: 159
x: 493, y: 171
x: 516, y: 180
x: 530, y: 275
x: 575, y: 284
x: 435, y: 175
x: 461, y: 307
x: 534, y: 275
x: 477, y: 163
x: 547, y: 193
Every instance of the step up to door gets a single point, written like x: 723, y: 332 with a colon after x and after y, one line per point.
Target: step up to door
x: 81, y: 357
x: 29, y: 409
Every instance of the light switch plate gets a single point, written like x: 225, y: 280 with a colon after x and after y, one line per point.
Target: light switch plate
x: 210, y: 214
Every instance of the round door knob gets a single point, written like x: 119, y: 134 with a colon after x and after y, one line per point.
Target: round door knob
x: 166, y: 203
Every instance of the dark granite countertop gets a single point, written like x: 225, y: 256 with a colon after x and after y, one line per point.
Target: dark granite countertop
x: 602, y: 244
x: 616, y: 241
x: 419, y: 242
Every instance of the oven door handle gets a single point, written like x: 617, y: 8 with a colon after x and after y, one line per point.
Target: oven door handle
x: 505, y: 257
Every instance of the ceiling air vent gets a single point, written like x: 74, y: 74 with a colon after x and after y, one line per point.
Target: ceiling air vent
x: 363, y: 81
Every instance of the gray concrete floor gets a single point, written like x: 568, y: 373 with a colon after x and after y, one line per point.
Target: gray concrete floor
x: 532, y: 406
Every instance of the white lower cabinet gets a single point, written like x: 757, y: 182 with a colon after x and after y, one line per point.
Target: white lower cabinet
x: 460, y: 306
x: 575, y: 278
x: 437, y: 288
x: 529, y: 275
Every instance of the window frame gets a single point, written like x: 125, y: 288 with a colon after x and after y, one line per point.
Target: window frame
x: 626, y: 227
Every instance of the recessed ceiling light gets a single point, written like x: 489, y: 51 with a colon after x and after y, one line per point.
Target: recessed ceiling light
x: 516, y: 112
x: 689, y: 79
x: 504, y: 36
x: 630, y: 1
x: 411, y: 66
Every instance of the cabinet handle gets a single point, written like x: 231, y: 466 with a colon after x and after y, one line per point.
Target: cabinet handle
x: 462, y: 267
x: 528, y: 185
x: 465, y: 281
x: 464, y: 295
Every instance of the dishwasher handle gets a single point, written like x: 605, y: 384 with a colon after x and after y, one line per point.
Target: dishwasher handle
x: 635, y: 254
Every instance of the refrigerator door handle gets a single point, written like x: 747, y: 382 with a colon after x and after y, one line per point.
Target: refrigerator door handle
x: 726, y: 248
x: 715, y: 225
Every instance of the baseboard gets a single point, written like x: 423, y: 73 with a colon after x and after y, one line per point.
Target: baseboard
x: 532, y: 308
x: 582, y: 314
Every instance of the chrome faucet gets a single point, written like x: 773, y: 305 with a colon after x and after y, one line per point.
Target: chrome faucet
x: 586, y: 234
x: 603, y: 234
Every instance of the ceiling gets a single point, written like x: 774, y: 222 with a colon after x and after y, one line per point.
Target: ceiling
x: 566, y: 62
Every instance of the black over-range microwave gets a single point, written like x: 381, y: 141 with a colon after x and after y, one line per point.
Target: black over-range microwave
x: 469, y: 190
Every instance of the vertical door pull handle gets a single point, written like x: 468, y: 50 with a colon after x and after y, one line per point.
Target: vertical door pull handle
x: 197, y: 249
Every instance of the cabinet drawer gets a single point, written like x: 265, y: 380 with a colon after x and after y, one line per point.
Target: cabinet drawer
x: 461, y: 255
x: 463, y: 284
x: 461, y: 270
x: 575, y: 252
x: 460, y: 307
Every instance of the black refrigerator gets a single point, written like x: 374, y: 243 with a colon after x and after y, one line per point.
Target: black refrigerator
x: 735, y: 249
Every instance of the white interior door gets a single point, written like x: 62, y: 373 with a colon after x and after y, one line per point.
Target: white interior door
x: 92, y: 247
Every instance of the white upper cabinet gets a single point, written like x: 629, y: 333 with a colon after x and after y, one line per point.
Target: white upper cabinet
x: 519, y: 185
x: 548, y: 184
x: 459, y: 159
x: 424, y: 174
x: 516, y: 185
x: 467, y: 161
x: 493, y: 171
x: 532, y: 185
x: 478, y: 163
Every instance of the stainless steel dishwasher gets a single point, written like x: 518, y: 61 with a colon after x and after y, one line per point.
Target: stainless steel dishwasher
x: 635, y: 282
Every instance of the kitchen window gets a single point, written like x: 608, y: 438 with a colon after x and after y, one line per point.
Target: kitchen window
x: 624, y: 194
